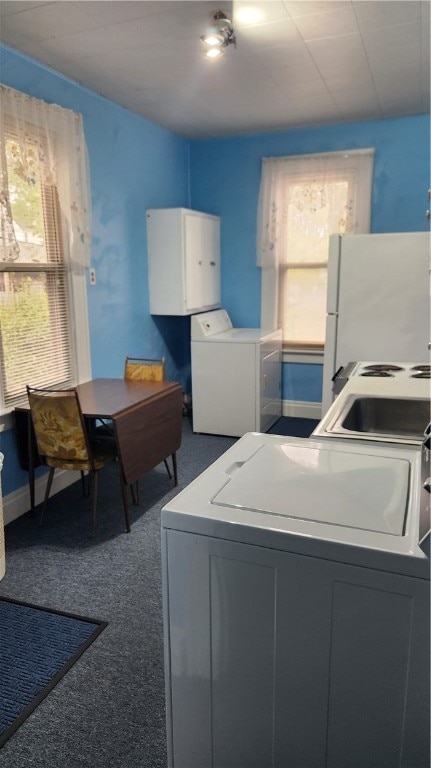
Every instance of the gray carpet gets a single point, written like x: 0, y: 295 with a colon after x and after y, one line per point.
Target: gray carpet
x: 108, y: 711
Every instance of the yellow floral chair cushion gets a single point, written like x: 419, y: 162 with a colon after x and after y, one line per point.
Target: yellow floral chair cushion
x: 60, y: 434
x: 140, y: 369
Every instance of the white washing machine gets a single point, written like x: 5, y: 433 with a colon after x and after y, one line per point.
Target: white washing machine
x: 296, y: 608
x: 236, y: 376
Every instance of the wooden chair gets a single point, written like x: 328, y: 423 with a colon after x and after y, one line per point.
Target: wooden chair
x: 144, y: 369
x: 63, y: 441
x: 148, y: 369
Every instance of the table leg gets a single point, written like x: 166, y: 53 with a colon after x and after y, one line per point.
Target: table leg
x: 174, y: 464
x: 125, y: 503
x: 30, y: 460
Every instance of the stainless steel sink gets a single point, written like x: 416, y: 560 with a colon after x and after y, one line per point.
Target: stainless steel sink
x: 382, y: 417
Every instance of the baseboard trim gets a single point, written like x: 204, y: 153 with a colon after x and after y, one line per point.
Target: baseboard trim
x: 17, y: 503
x: 302, y: 410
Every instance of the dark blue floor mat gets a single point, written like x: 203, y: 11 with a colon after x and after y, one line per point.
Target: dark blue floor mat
x: 37, y: 647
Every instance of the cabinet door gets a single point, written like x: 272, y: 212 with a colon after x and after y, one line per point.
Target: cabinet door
x: 276, y: 659
x: 202, y: 261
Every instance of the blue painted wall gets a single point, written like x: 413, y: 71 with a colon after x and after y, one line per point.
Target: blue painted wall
x: 302, y: 381
x: 225, y: 177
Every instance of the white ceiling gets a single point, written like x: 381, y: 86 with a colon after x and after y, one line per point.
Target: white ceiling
x: 306, y: 62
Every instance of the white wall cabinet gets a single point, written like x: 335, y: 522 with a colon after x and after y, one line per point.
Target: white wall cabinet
x: 183, y: 261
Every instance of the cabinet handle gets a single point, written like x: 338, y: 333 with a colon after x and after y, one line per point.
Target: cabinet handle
x: 212, y: 263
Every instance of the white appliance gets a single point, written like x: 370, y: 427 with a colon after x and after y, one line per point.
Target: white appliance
x: 395, y: 380
x: 378, y: 301
x: 296, y: 600
x: 236, y: 376
x: 183, y: 261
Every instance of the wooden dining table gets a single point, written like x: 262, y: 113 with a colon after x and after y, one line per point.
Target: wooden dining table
x: 145, y: 418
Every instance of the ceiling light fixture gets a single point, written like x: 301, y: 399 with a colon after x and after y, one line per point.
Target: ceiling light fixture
x: 219, y: 35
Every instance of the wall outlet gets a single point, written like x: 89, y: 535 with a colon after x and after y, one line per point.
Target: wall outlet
x: 92, y: 275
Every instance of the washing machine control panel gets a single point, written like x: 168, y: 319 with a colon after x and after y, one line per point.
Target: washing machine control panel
x: 208, y: 324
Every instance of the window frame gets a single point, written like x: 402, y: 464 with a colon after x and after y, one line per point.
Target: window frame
x: 311, y: 346
x: 75, y: 290
x: 352, y: 165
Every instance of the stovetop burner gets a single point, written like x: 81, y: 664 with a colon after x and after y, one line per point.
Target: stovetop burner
x: 378, y: 373
x: 383, y: 367
x: 403, y: 378
x: 422, y: 368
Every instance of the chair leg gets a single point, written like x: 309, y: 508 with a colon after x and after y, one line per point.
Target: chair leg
x: 134, y: 489
x: 125, y: 505
x: 174, y: 464
x: 47, y: 492
x: 167, y: 467
x: 84, y: 489
x: 95, y: 483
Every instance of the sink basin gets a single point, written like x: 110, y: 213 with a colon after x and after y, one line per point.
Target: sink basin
x: 390, y: 417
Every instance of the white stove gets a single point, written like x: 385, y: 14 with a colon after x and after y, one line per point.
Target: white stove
x: 376, y: 374
x: 379, y: 385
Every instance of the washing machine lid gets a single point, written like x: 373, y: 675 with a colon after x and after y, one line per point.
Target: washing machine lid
x: 216, y: 325
x: 323, y: 485
x: 245, y: 335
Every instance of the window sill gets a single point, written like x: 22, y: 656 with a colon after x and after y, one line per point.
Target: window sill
x: 308, y: 356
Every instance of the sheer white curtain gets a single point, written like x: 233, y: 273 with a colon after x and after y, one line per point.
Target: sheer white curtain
x: 49, y: 148
x: 304, y: 184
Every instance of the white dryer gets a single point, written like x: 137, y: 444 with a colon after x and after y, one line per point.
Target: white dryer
x: 236, y: 376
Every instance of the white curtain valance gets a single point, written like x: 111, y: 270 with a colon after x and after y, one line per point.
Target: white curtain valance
x: 49, y: 148
x: 278, y: 192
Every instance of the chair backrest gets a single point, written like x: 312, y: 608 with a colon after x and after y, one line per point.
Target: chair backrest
x: 59, y: 427
x: 144, y: 369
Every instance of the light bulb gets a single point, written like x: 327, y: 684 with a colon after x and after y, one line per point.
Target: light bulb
x: 214, y: 53
x: 212, y: 39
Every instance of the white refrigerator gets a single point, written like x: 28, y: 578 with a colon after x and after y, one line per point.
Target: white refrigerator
x: 378, y: 301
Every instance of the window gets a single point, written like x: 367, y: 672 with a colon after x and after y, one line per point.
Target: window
x: 303, y: 200
x: 43, y: 250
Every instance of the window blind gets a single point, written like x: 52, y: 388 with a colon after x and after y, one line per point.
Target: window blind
x: 35, y: 320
